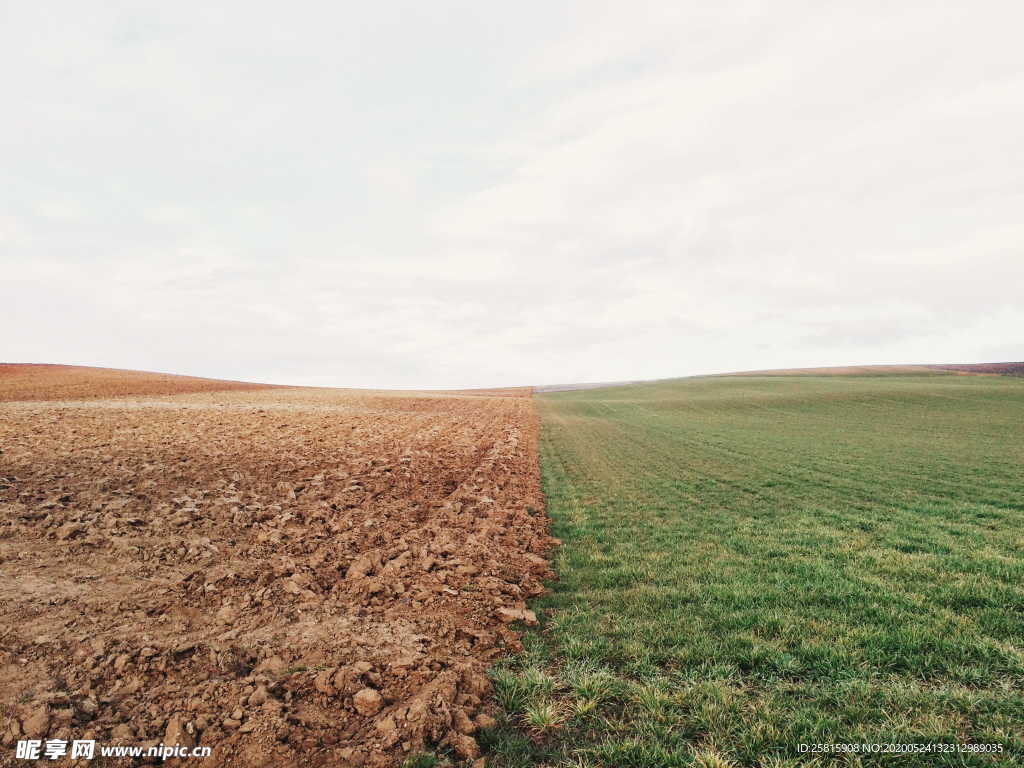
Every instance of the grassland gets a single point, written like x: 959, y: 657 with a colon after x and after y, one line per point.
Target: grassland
x: 750, y: 564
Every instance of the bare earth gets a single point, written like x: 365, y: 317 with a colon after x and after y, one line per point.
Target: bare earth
x: 30, y: 381
x: 290, y: 576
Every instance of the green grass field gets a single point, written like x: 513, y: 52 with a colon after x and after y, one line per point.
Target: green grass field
x: 751, y: 564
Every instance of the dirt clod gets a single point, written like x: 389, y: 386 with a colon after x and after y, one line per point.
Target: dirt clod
x: 485, y: 721
x: 177, y: 733
x: 37, y: 723
x: 508, y: 615
x: 367, y: 702
x: 464, y: 746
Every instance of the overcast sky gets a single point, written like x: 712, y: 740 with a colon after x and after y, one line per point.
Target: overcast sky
x: 474, y: 194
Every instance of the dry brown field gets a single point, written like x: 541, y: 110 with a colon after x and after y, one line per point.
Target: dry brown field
x: 31, y: 381
x: 291, y: 576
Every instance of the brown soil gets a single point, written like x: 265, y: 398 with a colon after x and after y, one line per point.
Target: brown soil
x: 290, y: 576
x: 30, y: 381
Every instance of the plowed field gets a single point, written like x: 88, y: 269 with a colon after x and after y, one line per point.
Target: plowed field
x: 289, y: 576
x: 28, y: 381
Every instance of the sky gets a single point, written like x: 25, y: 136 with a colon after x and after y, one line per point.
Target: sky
x: 469, y: 194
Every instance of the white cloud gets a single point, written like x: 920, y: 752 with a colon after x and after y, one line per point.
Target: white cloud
x: 439, y: 196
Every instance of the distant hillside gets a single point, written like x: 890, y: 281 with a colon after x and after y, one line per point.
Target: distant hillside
x: 840, y: 370
x: 31, y: 381
x: 1011, y: 369
x: 1006, y: 369
x: 589, y: 385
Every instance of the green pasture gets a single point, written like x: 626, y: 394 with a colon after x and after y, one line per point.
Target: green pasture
x: 754, y: 563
